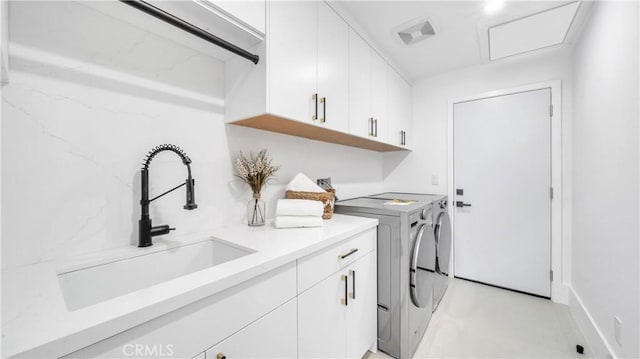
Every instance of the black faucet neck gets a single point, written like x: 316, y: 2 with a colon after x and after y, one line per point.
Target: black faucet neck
x: 145, y: 229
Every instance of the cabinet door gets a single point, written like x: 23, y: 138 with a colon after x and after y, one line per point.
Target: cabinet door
x: 399, y: 109
x: 292, y: 59
x: 272, y: 336
x: 379, y: 104
x: 359, y: 85
x: 322, y: 319
x: 362, y: 310
x: 333, y: 69
x: 406, y: 114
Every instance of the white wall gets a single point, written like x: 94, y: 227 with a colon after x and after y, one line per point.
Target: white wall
x: 605, y: 178
x: 89, y: 96
x: 413, y: 172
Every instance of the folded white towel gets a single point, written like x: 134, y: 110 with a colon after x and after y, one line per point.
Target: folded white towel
x: 302, y: 183
x: 299, y: 207
x: 298, y: 221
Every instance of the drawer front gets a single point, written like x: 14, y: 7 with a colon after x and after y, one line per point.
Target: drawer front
x: 190, y: 330
x: 317, y: 266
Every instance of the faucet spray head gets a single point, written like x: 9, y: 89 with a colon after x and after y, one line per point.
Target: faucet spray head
x: 191, y: 194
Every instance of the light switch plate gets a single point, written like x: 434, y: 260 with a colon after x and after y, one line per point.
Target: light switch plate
x: 435, y: 179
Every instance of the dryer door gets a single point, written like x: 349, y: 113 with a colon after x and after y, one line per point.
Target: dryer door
x: 423, y: 266
x: 443, y: 242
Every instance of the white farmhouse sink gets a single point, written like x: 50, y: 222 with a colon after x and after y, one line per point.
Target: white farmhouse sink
x: 96, y: 283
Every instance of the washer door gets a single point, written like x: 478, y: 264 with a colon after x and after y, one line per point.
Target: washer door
x: 422, y: 267
x: 443, y: 242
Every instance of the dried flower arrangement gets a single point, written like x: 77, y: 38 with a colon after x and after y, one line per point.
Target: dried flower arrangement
x: 256, y: 172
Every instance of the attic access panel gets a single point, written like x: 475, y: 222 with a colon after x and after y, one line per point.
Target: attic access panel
x: 533, y: 32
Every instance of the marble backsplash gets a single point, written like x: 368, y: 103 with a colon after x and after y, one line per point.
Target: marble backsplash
x: 88, y: 96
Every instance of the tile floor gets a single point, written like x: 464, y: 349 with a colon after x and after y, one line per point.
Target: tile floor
x: 479, y: 321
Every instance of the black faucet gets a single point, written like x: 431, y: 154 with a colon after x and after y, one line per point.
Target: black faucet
x: 145, y: 230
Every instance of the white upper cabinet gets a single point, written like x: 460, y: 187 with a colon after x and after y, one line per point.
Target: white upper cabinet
x: 360, y: 115
x: 370, y: 91
x: 333, y: 69
x: 316, y: 78
x: 379, y: 96
x: 292, y: 59
x: 308, y: 63
x: 399, y: 110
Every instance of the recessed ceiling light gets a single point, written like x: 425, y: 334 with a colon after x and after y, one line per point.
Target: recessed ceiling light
x: 493, y: 6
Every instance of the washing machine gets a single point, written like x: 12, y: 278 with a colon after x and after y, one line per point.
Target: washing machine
x: 442, y: 236
x: 407, y: 265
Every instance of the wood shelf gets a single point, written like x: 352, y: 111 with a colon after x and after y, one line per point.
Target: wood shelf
x: 286, y: 126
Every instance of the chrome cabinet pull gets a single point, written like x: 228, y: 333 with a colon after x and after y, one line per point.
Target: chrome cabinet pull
x: 371, y: 126
x: 352, y: 251
x: 315, y: 114
x: 375, y: 123
x: 323, y: 101
x: 353, y: 283
x: 345, y: 300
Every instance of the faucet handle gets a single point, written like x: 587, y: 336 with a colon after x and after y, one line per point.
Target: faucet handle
x: 160, y: 230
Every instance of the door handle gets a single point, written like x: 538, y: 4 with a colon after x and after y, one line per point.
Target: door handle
x: 315, y: 114
x: 375, y: 122
x: 371, y: 126
x: 345, y: 300
x: 461, y: 204
x: 323, y: 101
x: 353, y: 283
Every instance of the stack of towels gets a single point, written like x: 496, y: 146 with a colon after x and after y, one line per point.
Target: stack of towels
x: 296, y: 213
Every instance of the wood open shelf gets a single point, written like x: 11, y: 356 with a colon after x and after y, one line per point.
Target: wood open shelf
x: 278, y: 124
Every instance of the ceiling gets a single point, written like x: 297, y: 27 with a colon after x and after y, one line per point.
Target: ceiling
x: 460, y: 26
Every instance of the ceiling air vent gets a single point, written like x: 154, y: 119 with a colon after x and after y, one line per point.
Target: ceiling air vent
x: 415, y: 31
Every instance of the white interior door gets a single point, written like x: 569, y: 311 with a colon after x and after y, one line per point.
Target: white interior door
x: 502, y: 163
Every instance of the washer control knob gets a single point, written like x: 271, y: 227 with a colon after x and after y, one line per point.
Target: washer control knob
x: 424, y: 213
x: 443, y: 204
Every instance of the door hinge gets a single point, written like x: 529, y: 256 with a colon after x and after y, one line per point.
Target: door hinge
x: 551, y: 110
x: 551, y: 192
x: 551, y: 275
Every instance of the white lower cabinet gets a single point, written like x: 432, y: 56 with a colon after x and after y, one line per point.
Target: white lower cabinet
x: 322, y: 318
x: 320, y: 306
x: 362, y: 325
x: 337, y: 316
x: 272, y: 336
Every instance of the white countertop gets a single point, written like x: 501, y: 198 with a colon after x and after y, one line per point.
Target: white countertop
x: 36, y: 322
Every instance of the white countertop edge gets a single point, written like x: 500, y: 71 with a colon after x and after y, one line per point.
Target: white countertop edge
x: 96, y: 329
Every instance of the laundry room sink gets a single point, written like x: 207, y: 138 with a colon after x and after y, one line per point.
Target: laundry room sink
x: 97, y: 282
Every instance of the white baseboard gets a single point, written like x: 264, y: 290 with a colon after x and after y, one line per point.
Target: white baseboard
x: 596, y: 345
x: 560, y: 293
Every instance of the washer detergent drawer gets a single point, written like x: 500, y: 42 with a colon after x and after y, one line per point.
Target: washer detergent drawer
x: 315, y: 267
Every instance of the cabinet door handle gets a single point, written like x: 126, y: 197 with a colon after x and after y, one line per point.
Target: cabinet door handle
x: 352, y: 251
x: 375, y: 122
x: 315, y: 114
x: 371, y: 126
x: 323, y: 101
x: 353, y: 283
x: 403, y: 138
x: 345, y: 300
